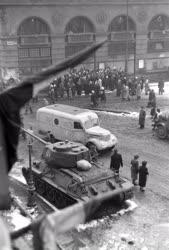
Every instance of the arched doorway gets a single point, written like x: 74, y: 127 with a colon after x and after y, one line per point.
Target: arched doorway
x: 121, y: 36
x: 158, y: 34
x: 79, y: 33
x: 34, y: 46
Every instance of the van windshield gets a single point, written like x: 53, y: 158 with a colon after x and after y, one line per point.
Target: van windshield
x: 91, y: 123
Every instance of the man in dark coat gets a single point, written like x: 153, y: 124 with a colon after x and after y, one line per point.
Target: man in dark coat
x: 116, y: 161
x: 94, y: 99
x: 102, y: 95
x: 142, y: 117
x: 143, y: 172
x: 161, y: 87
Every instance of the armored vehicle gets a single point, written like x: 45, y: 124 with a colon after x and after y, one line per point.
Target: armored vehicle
x: 162, y: 125
x: 65, y: 175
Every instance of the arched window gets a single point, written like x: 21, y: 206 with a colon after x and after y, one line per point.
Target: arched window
x: 34, y: 46
x: 121, y: 36
x: 79, y: 33
x: 119, y: 24
x: 158, y: 34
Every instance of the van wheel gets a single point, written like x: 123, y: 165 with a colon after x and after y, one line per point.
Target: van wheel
x: 91, y: 146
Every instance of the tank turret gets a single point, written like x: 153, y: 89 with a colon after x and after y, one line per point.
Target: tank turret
x: 65, y: 154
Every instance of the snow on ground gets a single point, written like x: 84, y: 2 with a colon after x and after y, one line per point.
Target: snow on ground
x: 17, y: 173
x: 133, y: 115
x: 131, y: 207
x: 19, y: 221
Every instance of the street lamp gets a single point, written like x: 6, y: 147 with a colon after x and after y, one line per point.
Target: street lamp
x: 31, y: 186
x: 127, y: 40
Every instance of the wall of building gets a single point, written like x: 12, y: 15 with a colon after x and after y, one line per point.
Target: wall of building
x: 100, y: 13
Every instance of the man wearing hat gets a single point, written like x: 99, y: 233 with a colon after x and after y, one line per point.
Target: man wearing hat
x: 143, y: 172
x: 94, y: 99
x: 134, y: 169
x: 102, y: 95
x: 142, y: 117
x: 116, y: 161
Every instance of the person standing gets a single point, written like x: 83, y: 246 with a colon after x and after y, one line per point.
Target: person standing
x: 147, y: 88
x: 138, y: 91
x: 143, y: 172
x: 134, y: 169
x: 116, y: 161
x: 161, y: 87
x: 94, y: 99
x: 102, y: 95
x: 142, y: 117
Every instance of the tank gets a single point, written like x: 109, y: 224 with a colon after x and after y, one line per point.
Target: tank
x: 65, y: 176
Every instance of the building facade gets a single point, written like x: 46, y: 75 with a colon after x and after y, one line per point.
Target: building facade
x: 37, y: 33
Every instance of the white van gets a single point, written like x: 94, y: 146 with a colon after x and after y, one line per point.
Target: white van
x: 74, y: 124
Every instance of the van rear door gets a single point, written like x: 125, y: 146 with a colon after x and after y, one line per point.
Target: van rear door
x: 61, y: 128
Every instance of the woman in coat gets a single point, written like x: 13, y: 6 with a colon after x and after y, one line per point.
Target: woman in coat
x: 142, y: 117
x: 143, y: 172
x: 134, y: 169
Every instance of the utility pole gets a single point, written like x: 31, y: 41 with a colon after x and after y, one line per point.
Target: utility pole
x: 31, y: 186
x: 94, y: 38
x: 134, y: 55
x: 127, y: 40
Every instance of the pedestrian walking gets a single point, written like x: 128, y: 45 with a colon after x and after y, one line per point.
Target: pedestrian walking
x: 143, y: 172
x: 161, y: 87
x: 142, y: 117
x: 134, y: 169
x: 116, y: 161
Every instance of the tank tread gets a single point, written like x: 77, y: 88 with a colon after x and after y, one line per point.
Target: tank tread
x: 55, y: 196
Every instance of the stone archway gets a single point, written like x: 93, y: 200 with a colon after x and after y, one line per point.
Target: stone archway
x: 121, y: 36
x: 79, y: 33
x: 34, y: 46
x: 158, y: 34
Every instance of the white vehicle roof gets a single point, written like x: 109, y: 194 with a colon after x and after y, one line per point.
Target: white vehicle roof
x: 66, y: 111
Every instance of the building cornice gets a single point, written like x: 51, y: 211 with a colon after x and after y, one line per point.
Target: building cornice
x: 6, y: 3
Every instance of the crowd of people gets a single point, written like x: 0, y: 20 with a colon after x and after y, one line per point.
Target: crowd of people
x: 95, y: 83
x: 85, y: 82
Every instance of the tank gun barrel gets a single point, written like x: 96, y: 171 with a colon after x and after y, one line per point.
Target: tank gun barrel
x: 34, y: 136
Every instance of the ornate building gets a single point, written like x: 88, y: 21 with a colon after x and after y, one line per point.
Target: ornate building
x: 36, y: 33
